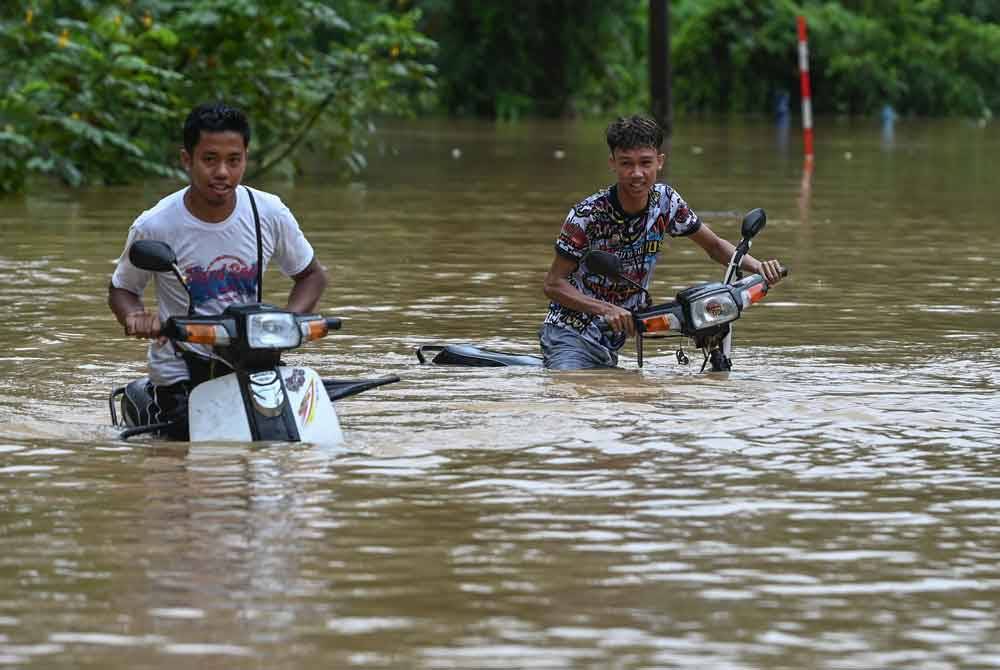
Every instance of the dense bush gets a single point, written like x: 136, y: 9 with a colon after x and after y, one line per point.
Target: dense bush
x: 921, y: 56
x: 538, y: 57
x: 565, y: 57
x: 98, y: 90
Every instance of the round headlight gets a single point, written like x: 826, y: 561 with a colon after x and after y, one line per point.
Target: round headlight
x: 713, y: 310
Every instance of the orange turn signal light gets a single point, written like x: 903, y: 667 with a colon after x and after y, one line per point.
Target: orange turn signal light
x: 757, y: 292
x: 657, y: 324
x: 315, y: 329
x: 210, y: 334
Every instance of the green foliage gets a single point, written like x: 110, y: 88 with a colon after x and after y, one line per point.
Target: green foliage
x: 565, y: 57
x: 929, y: 57
x: 537, y: 58
x: 733, y: 54
x: 97, y: 91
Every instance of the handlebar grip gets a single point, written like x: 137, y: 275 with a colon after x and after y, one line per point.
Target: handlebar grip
x: 170, y: 330
x: 784, y: 271
x: 603, y: 326
x: 333, y: 323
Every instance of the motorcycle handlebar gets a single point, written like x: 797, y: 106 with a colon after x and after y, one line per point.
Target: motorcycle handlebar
x: 782, y: 270
x: 603, y: 326
x: 333, y: 323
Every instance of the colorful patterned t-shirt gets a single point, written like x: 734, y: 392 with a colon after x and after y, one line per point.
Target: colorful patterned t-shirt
x: 600, y: 223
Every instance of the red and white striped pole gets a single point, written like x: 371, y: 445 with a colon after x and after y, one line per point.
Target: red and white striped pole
x: 807, y: 113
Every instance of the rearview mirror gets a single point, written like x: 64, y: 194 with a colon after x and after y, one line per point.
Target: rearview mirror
x: 609, y: 265
x: 603, y: 263
x: 753, y: 223
x: 152, y: 255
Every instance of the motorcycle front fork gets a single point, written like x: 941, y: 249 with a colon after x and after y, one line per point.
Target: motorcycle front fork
x: 716, y: 349
x: 719, y: 361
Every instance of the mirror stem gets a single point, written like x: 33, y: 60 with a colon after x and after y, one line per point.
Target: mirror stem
x: 733, y: 269
x: 649, y: 298
x: 187, y: 289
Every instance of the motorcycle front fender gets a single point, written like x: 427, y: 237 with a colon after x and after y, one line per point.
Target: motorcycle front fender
x: 225, y: 409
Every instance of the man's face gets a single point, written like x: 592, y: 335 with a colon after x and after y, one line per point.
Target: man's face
x: 636, y: 169
x: 216, y: 166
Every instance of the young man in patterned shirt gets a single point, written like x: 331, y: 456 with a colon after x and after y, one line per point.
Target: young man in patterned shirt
x: 629, y: 219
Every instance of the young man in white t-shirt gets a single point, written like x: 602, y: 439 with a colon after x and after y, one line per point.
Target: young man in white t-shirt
x: 212, y: 227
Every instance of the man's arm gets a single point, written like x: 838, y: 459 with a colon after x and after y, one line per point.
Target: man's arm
x: 558, y: 289
x: 307, y: 288
x: 721, y: 251
x: 131, y: 313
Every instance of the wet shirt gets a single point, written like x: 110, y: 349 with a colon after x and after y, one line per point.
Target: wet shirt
x: 599, y: 223
x: 218, y: 260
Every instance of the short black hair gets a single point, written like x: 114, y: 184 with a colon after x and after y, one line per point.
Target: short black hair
x: 214, y: 117
x: 634, y: 132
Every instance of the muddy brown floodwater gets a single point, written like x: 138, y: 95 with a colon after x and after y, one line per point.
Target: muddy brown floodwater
x: 831, y: 503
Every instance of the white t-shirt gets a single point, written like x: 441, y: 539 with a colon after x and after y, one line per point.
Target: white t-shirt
x: 218, y: 260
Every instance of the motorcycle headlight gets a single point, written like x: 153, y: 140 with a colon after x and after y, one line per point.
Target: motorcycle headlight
x: 273, y: 330
x: 713, y: 309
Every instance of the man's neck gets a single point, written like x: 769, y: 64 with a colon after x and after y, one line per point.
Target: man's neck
x: 630, y: 206
x: 206, y: 211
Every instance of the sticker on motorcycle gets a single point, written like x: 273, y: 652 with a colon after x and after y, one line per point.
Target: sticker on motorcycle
x: 295, y: 380
x: 307, y: 408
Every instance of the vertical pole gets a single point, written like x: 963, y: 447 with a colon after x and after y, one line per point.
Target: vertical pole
x: 807, y: 117
x: 659, y: 64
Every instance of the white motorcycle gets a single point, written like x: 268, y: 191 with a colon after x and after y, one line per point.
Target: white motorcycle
x: 260, y: 399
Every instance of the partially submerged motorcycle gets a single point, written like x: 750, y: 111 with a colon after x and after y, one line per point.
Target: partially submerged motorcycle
x: 260, y: 399
x: 703, y: 313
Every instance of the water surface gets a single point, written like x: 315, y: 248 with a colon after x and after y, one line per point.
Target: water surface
x: 831, y: 503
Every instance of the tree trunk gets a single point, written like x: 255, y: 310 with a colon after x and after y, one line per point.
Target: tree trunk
x: 659, y: 64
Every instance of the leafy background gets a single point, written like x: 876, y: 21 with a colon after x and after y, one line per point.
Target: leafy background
x: 96, y: 91
x: 99, y: 90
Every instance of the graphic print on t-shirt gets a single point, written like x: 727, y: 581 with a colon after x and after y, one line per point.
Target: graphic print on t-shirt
x: 226, y: 279
x: 599, y: 223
